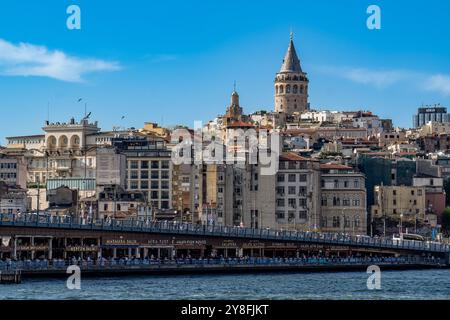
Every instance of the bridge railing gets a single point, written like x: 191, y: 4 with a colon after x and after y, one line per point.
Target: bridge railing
x: 106, y: 264
x: 140, y: 225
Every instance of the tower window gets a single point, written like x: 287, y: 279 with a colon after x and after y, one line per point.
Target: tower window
x: 295, y: 89
x: 281, y: 89
x: 301, y: 89
x: 288, y: 89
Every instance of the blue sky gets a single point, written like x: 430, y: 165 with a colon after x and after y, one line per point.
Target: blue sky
x: 175, y: 61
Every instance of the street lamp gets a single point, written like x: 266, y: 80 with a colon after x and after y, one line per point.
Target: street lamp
x: 401, y: 220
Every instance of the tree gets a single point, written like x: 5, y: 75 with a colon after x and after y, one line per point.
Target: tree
x: 447, y: 191
x: 446, y: 220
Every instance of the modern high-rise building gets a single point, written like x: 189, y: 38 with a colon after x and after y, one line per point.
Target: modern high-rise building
x: 291, y: 84
x: 434, y: 113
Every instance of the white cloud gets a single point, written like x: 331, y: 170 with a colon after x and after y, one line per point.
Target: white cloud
x: 378, y: 78
x: 439, y: 83
x: 27, y: 59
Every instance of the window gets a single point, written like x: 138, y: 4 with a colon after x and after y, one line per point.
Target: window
x: 164, y: 204
x: 324, y: 201
x: 134, y: 164
x: 165, y: 164
x: 291, y: 190
x: 134, y: 185
x: 336, y: 201
x: 155, y: 175
x: 164, y: 194
x: 144, y: 164
x: 280, y: 191
x: 336, y: 183
x: 292, y: 203
x: 165, y: 174
x: 134, y: 174
x: 144, y: 185
x: 154, y: 195
x: 336, y: 222
x: 280, y: 178
x: 280, y: 214
x: 288, y: 89
x: 302, y: 191
x: 144, y: 174
x: 345, y: 184
x: 155, y: 164
x: 302, y: 202
x: 291, y: 178
x: 356, y: 184
x: 280, y: 202
x: 155, y: 185
x: 303, y: 177
x: 164, y: 184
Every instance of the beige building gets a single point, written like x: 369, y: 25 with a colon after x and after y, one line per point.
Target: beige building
x: 153, y: 129
x: 434, y: 128
x: 393, y: 201
x: 343, y: 200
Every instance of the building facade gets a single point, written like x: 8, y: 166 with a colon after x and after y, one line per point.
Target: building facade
x: 343, y: 200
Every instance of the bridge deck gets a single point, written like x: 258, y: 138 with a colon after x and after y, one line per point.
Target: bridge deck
x: 139, y: 226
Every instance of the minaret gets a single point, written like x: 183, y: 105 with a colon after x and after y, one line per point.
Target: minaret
x: 234, y: 110
x: 291, y: 84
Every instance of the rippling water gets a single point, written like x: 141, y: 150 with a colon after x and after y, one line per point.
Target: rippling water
x: 418, y: 284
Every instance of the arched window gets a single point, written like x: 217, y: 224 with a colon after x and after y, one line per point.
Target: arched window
x: 281, y: 89
x: 301, y: 89
x: 288, y: 89
x: 63, y: 142
x: 51, y: 142
x: 295, y: 89
x: 276, y: 89
x: 75, y: 142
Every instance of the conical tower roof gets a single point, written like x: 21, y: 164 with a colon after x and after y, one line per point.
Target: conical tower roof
x: 291, y: 62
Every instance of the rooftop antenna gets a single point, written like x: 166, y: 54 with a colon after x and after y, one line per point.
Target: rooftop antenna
x: 234, y: 86
x: 48, y: 111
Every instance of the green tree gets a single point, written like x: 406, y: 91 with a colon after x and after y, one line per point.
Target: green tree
x: 447, y: 191
x: 446, y: 220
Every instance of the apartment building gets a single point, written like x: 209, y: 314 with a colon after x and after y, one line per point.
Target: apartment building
x: 343, y: 199
x: 297, y: 203
x: 393, y: 201
x: 148, y: 169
